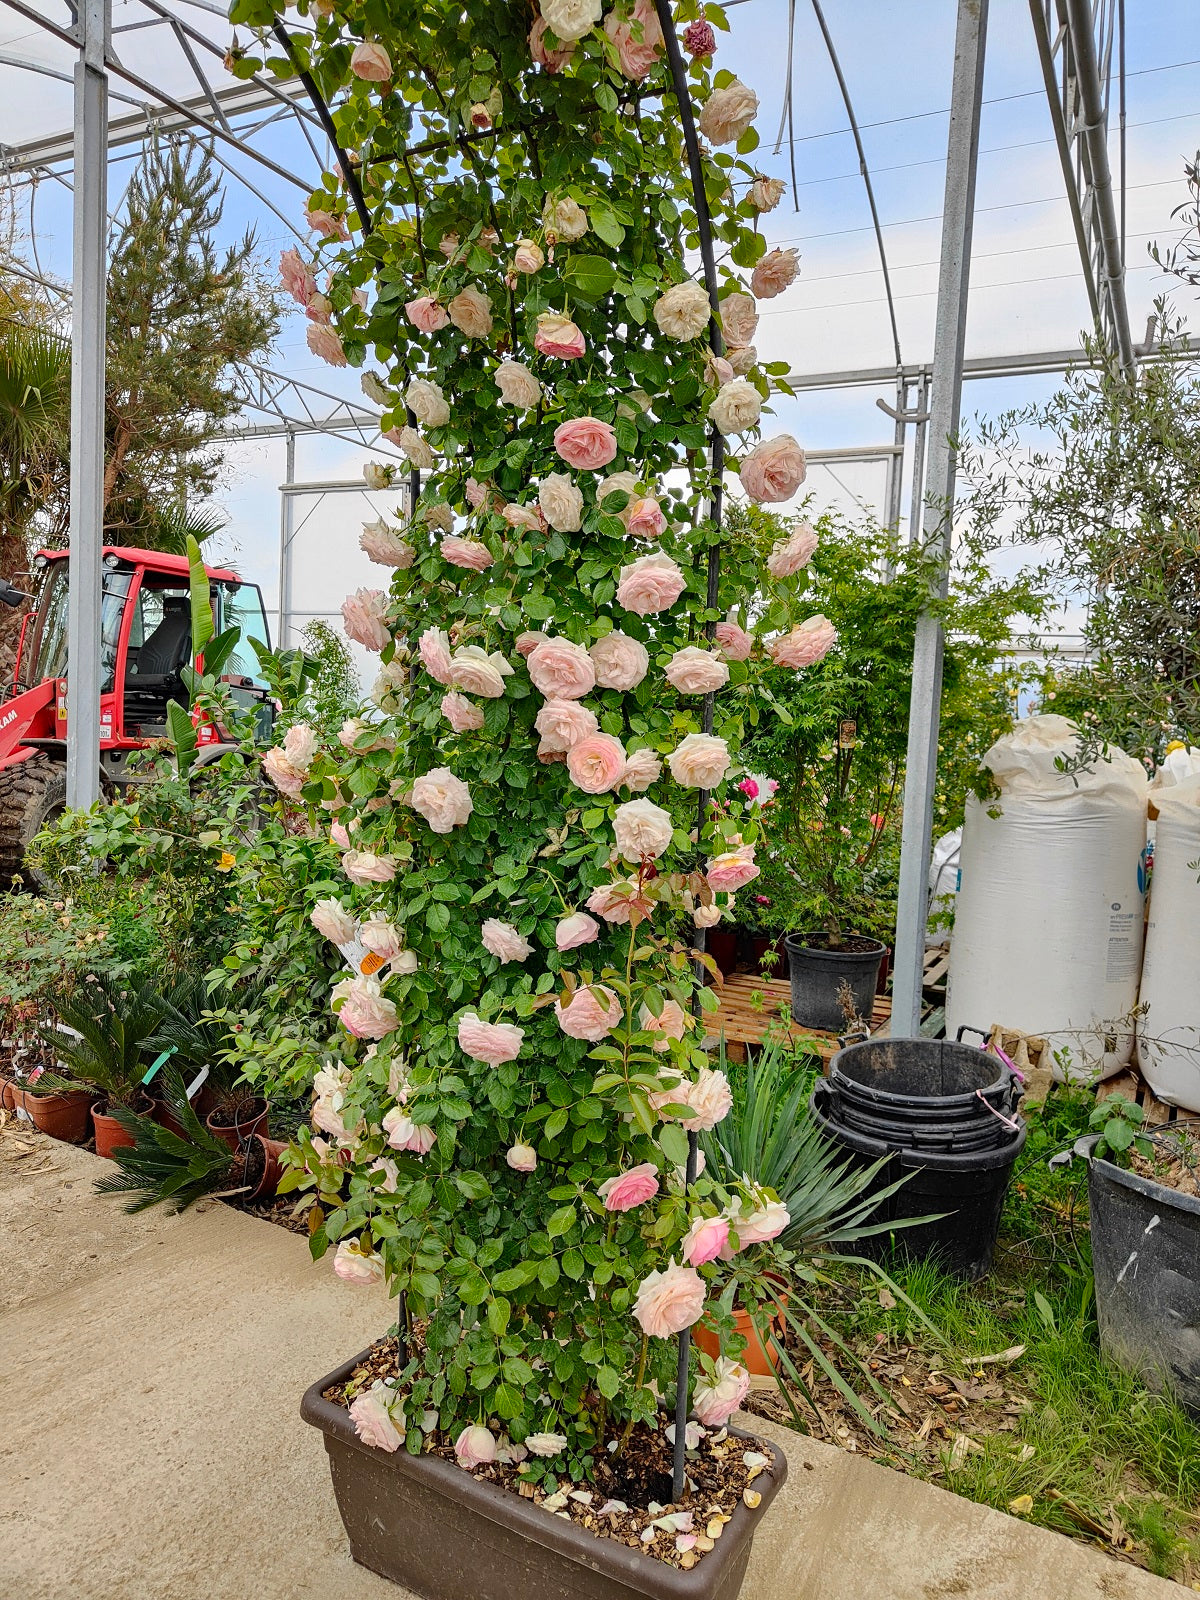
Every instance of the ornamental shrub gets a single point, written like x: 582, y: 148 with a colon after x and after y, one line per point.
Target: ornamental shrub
x: 571, y: 653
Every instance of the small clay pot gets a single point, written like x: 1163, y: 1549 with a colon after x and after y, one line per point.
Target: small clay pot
x: 110, y: 1135
x: 248, y: 1123
x: 7, y: 1103
x: 62, y: 1116
x: 757, y: 1361
x: 272, y: 1170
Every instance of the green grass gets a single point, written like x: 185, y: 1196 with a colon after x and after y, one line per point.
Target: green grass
x: 1097, y: 1444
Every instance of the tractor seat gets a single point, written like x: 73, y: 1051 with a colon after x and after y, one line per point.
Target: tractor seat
x: 168, y: 648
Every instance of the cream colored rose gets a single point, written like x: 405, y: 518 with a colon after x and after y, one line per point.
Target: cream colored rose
x: 474, y: 671
x: 738, y: 406
x: 413, y: 447
x: 427, y: 403
x: 471, y: 313
x: 620, y: 662
x: 561, y: 669
x: 517, y: 385
x: 642, y: 830
x: 683, y: 312
x: 502, y: 940
x: 700, y: 761
x: 562, y: 724
x: 385, y: 546
x: 728, y: 113
x: 528, y: 256
x: 672, y: 1022
x: 773, y: 274
x: 374, y: 388
x: 615, y: 483
x: 739, y: 319
x: 766, y: 193
x: 565, y: 218
x: 773, y: 470
x: 695, y: 671
x: 528, y: 517
x: 561, y: 503
x: 442, y: 799
x: 793, y: 553
x: 569, y: 20
x: 642, y: 769
x: 743, y: 359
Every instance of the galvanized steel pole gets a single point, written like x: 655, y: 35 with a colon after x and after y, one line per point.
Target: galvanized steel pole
x: 88, y: 301
x: 949, y: 341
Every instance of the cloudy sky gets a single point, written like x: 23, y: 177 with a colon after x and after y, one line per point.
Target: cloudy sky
x: 1026, y: 291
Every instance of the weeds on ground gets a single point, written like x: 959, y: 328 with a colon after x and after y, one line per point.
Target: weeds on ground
x: 1014, y: 1406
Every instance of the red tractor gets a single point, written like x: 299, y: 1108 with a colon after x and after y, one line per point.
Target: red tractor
x: 145, y: 643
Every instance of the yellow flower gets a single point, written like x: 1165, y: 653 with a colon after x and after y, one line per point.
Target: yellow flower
x: 227, y: 862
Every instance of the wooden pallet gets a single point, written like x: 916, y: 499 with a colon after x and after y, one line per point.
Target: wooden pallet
x: 1157, y: 1112
x: 757, y: 1011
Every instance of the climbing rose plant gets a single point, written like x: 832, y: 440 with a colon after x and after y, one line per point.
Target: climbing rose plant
x: 540, y: 814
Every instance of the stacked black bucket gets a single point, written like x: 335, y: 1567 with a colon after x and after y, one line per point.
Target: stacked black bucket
x: 941, y: 1115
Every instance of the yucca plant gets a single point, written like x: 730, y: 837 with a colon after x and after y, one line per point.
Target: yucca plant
x: 161, y: 1165
x: 770, y: 1137
x: 105, y: 1028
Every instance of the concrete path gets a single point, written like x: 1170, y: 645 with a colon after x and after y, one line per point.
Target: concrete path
x: 151, y: 1446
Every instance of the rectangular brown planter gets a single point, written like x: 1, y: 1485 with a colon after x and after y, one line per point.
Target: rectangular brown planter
x: 423, y: 1522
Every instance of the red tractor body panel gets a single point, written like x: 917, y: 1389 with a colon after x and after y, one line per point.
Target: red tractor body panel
x: 29, y: 716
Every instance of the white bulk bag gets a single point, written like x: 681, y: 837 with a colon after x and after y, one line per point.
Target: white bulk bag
x: 1048, y: 926
x: 943, y: 888
x: 1168, y: 1028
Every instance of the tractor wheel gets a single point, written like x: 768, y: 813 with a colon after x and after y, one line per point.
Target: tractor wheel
x: 32, y: 793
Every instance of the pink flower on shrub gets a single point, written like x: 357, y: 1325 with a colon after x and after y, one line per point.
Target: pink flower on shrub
x: 442, y: 799
x: 371, y: 62
x: 596, y: 763
x: 699, y: 40
x: 528, y: 642
x: 325, y: 344
x: 363, y: 617
x: 708, y: 1098
x: 629, y: 1189
x: 327, y: 223
x: 585, y: 443
x: 652, y: 583
x: 575, y: 930
x: 502, y: 940
x: 363, y: 866
x: 714, y: 1403
x: 475, y: 1447
x: 641, y: 770
x: 353, y: 1264
x: 468, y: 553
x: 774, y: 272
x: 561, y: 670
x: 332, y: 921
x: 490, y: 1042
x: 552, y: 60
x: 562, y: 724
x: 426, y: 315
x: 618, y: 902
x: 732, y: 870
x: 371, y: 1414
x: 404, y: 1134
x: 644, y: 518
x: 636, y: 56
x: 619, y: 661
x: 792, y: 553
x: 813, y: 639
x: 773, y: 470
x: 297, y: 276
x: 766, y: 1222
x: 287, y: 779
x: 558, y: 336
x: 434, y: 650
x: 460, y: 713
x: 521, y: 1157
x: 592, y: 1013
x: 364, y: 1012
x: 705, y: 1240
x: 669, y: 1301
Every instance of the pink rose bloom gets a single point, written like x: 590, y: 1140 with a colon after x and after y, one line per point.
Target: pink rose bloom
x: 326, y: 223
x: 643, y: 518
x: 695, y: 671
x: 381, y: 937
x: 339, y: 836
x: 585, y: 443
x: 372, y: 1418
x: 324, y: 343
x: 636, y: 55
x: 371, y: 62
x: 442, y: 799
x: 521, y: 1157
x: 552, y: 60
x: 297, y: 277
x: 774, y: 272
x: 459, y: 712
x: 735, y: 643
x: 562, y: 724
x: 705, y: 1240
x: 363, y: 614
x: 528, y: 642
x: 558, y: 336
x: 739, y: 319
x: 490, y: 1042
x: 287, y: 779
x: 418, y: 1142
x: 332, y: 921
x: 773, y: 470
x: 471, y: 313
x: 355, y: 1265
x: 596, y: 763
x: 385, y: 546
x: 364, y: 1012
x: 475, y: 1447
x: 575, y: 930
x: 629, y: 1189
x: 714, y: 1403
x: 592, y: 1014
x: 699, y: 761
x: 699, y: 40
x: 642, y: 830
x: 672, y: 1022
x: 503, y: 941
x: 652, y: 583
x: 468, y: 553
x: 426, y: 315
x: 528, y: 517
x: 757, y: 1227
x: 793, y: 553
x: 363, y: 866
x: 814, y: 638
x: 709, y: 1099
x: 669, y: 1301
x: 434, y: 650
x: 561, y: 670
x: 528, y: 257
x: 733, y: 870
x: 617, y: 902
x: 641, y: 770
x: 619, y: 661
x: 476, y: 493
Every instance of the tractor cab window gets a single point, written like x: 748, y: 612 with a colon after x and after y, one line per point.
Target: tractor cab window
x: 240, y: 606
x: 160, y: 646
x: 112, y: 611
x: 51, y: 659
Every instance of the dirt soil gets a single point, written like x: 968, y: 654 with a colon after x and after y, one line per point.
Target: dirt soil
x: 1175, y: 1162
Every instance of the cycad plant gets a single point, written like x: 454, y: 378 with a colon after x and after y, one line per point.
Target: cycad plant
x: 198, y: 1037
x: 103, y: 1037
x: 162, y: 1165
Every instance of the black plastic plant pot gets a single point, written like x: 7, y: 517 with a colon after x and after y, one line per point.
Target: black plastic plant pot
x: 1146, y: 1261
x: 963, y: 1190
x: 907, y: 1082
x: 425, y: 1523
x: 819, y: 975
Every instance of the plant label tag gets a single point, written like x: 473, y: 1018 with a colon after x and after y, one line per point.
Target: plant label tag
x: 158, y: 1062
x: 197, y: 1082
x: 355, y: 954
x: 35, y: 1074
x: 370, y: 963
x: 847, y: 733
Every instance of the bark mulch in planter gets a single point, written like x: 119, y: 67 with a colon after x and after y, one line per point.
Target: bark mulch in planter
x: 718, y: 1473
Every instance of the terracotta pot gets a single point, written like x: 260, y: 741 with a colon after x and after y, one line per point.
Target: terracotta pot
x: 757, y: 1361
x: 425, y: 1523
x: 235, y: 1134
x: 7, y: 1102
x: 110, y: 1135
x: 272, y: 1171
x: 62, y: 1116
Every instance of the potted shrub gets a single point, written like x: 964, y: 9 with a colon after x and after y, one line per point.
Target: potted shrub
x: 99, y: 1043
x: 569, y: 659
x: 1144, y: 1204
x: 198, y: 1037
